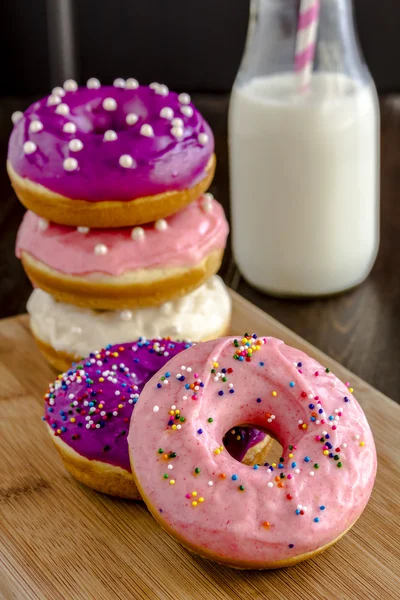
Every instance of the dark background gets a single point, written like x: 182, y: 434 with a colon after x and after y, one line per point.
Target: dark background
x: 196, y: 46
x: 190, y: 44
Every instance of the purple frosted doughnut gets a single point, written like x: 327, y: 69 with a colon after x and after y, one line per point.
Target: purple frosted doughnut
x: 89, y: 407
x: 116, y: 142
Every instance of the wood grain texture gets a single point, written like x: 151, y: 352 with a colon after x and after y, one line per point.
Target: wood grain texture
x: 360, y: 329
x: 60, y: 540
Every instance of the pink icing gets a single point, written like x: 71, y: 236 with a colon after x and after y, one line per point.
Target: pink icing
x: 190, y: 236
x: 268, y: 520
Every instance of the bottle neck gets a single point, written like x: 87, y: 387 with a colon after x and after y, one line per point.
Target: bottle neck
x: 271, y: 40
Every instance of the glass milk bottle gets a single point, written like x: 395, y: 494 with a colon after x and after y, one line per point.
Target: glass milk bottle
x: 304, y: 151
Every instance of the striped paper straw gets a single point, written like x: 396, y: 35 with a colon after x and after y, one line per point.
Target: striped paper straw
x: 305, y: 41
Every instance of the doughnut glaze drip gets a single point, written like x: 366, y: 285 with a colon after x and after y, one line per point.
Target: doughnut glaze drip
x: 182, y: 240
x: 222, y: 509
x: 90, y: 406
x: 112, y: 143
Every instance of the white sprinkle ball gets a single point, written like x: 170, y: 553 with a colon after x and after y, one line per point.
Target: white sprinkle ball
x: 16, y: 116
x: 131, y: 83
x: 156, y: 408
x: 203, y: 138
x: 161, y: 225
x: 162, y: 90
x: 344, y: 445
x: 297, y: 471
x: 167, y: 113
x: 206, y: 203
x: 58, y: 91
x: 177, y: 122
x: 75, y: 145
x: 126, y: 315
x: 62, y: 109
x: 53, y: 99
x: 187, y: 111
x: 184, y: 98
x: 270, y: 484
x: 69, y: 128
x: 119, y: 82
x: 70, y: 164
x: 132, y: 118
x: 154, y: 86
x: 210, y: 483
x: 43, y: 224
x: 138, y: 233
x: 100, y: 249
x: 82, y: 229
x: 30, y: 147
x: 126, y: 161
x: 147, y: 130
x: 177, y: 132
x: 110, y: 136
x: 170, y: 467
x: 311, y: 473
x: 70, y: 85
x: 35, y: 126
x: 109, y: 104
x: 93, y: 83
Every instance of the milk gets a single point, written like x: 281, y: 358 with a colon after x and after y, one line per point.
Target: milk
x: 304, y: 183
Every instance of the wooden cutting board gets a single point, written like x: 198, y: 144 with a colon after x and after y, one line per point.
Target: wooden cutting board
x: 59, y: 539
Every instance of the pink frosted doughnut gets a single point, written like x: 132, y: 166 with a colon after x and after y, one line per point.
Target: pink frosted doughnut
x: 262, y: 517
x: 125, y: 267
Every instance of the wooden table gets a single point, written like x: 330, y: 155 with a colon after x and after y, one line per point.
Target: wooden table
x: 62, y: 541
x: 360, y: 329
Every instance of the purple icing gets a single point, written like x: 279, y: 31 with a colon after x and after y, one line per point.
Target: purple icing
x: 160, y: 163
x: 80, y: 392
x: 249, y: 438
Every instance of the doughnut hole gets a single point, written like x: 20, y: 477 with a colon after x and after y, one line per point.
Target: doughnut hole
x: 252, y: 446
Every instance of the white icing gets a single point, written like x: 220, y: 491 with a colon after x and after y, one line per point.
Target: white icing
x: 199, y: 315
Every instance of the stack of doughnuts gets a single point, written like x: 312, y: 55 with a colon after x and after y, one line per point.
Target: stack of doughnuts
x: 121, y: 238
